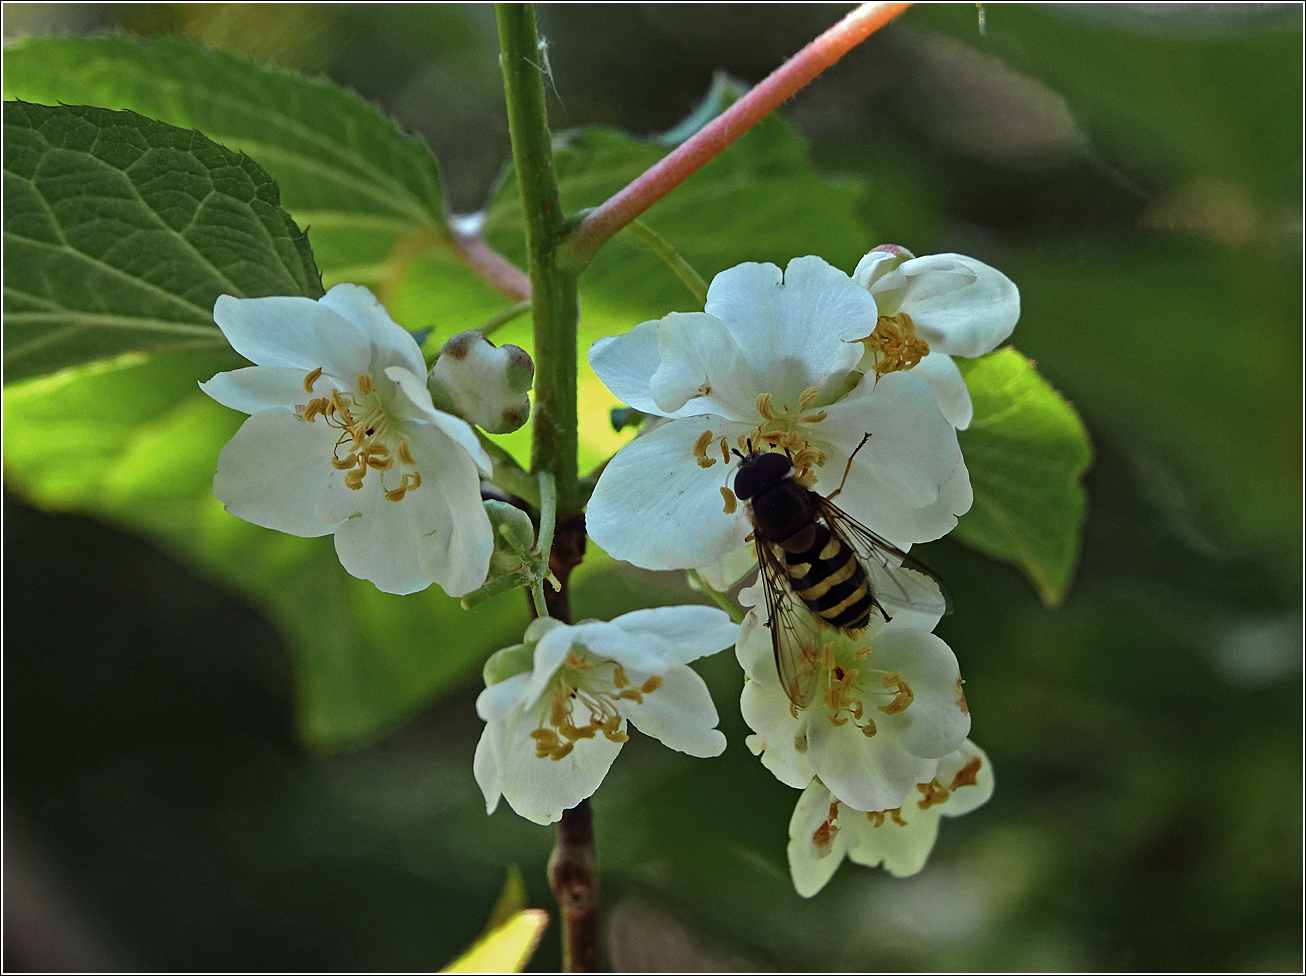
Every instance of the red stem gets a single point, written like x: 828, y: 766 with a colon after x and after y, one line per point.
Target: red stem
x: 492, y: 267
x: 764, y: 98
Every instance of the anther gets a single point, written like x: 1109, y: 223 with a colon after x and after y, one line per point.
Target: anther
x: 364, y: 381
x: 311, y: 378
x: 808, y: 397
x: 763, y: 404
x: 932, y: 794
x: 729, y: 497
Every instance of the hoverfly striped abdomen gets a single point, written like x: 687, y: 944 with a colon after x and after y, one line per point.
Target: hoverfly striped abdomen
x: 829, y: 578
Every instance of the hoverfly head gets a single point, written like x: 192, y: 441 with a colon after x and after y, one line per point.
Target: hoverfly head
x: 758, y: 472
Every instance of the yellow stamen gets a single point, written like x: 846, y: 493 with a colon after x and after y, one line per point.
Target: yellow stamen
x: 700, y: 450
x: 763, y: 404
x: 902, y: 699
x: 311, y: 378
x: 729, y: 497
x: 894, y: 344
x: 808, y: 397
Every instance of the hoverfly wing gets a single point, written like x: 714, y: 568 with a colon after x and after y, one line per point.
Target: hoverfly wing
x: 795, y: 631
x: 898, y: 580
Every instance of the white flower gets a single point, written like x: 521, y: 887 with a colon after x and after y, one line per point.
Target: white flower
x: 342, y: 438
x: 556, y: 707
x: 772, y: 361
x: 931, y: 309
x: 885, y: 708
x: 823, y: 831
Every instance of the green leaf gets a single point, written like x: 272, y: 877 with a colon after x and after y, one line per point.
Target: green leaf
x: 121, y: 232
x: 369, y: 196
x: 505, y: 949
x: 1026, y: 450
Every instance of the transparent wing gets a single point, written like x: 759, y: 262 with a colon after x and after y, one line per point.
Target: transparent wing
x: 898, y: 581
x: 795, y: 630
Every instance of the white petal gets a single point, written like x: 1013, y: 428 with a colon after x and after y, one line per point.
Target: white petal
x: 723, y: 574
x: 455, y: 428
x: 778, y: 738
x: 873, y: 773
x: 798, y: 331
x: 679, y: 713
x: 968, y: 774
x: 541, y: 789
x: 702, y: 368
x: 936, y: 722
x: 379, y: 545
x: 291, y: 331
x: 550, y: 652
x: 640, y: 651
x: 485, y: 765
x: 893, y: 485
x: 499, y: 700
x: 448, y: 520
x: 626, y: 364
x: 949, y: 389
x: 655, y: 507
x: 690, y: 632
x: 394, y: 344
x: 959, y: 306
x: 903, y: 850
x: 257, y: 388
x: 272, y: 471
x: 810, y: 865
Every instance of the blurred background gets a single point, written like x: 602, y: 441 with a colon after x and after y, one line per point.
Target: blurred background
x: 1136, y: 169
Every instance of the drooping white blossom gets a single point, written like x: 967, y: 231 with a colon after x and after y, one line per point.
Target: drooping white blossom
x: 823, y: 831
x: 343, y: 439
x: 557, y: 706
x: 886, y: 707
x: 930, y: 309
x: 771, y: 363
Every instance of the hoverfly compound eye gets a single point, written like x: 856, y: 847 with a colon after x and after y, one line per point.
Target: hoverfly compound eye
x: 760, y: 471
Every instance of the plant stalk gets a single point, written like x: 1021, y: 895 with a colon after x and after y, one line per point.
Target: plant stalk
x: 555, y: 309
x: 698, y: 150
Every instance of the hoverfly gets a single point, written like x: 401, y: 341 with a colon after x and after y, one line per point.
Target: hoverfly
x: 810, y: 552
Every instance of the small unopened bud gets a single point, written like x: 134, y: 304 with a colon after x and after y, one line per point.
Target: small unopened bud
x: 878, y: 263
x: 482, y: 383
x: 514, y: 536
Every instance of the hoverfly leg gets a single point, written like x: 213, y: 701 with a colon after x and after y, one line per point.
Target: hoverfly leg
x: 849, y: 466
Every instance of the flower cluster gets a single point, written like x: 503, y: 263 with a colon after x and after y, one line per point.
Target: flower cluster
x: 850, y: 378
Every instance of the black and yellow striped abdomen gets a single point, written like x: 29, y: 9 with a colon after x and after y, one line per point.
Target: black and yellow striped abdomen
x: 828, y: 577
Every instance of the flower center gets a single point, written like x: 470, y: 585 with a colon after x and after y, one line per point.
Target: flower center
x: 851, y: 686
x: 780, y: 430
x: 367, y: 434
x: 894, y: 344
x: 595, y: 685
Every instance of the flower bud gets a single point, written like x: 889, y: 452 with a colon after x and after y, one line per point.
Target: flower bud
x: 482, y: 383
x: 514, y: 535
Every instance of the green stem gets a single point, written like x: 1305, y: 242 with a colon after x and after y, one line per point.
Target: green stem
x: 504, y: 317
x: 716, y: 596
x: 508, y: 474
x: 554, y: 302
x: 555, y: 308
x: 673, y: 259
